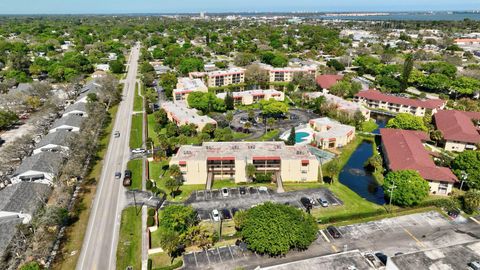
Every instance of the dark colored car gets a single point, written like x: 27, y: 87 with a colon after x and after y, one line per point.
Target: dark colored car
x: 382, y: 257
x: 243, y: 190
x: 118, y: 175
x: 226, y: 214
x: 333, y: 231
x: 128, y: 174
x: 127, y: 179
x: 306, y: 202
x: 453, y: 213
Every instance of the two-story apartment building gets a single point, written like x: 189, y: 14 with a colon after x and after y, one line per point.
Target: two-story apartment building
x: 228, y: 160
x: 252, y: 96
x: 460, y: 129
x: 377, y: 100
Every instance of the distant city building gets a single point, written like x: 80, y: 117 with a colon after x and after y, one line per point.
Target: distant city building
x: 252, y: 96
x: 341, y: 104
x: 329, y: 134
x: 404, y: 150
x: 458, y: 129
x: 180, y: 114
x: 186, y: 86
x: 375, y: 99
x: 228, y: 160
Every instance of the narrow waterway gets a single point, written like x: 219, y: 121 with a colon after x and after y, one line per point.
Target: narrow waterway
x: 361, y: 181
x: 381, y: 121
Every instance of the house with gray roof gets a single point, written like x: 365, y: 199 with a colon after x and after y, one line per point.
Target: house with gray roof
x: 92, y: 87
x: 70, y: 123
x: 77, y: 108
x: 23, y: 88
x: 54, y: 142
x: 18, y: 203
x: 39, y: 168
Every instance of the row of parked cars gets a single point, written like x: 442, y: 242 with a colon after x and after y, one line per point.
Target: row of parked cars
x: 223, y: 214
x: 308, y: 203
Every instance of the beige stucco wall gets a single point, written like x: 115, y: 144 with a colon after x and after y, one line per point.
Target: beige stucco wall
x: 435, y: 185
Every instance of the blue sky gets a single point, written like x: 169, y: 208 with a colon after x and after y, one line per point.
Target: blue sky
x: 173, y: 6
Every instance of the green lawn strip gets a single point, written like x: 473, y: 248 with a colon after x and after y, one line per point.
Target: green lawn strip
x: 138, y: 100
x: 136, y: 166
x: 75, y: 232
x: 272, y: 134
x: 136, y: 140
x: 369, y: 126
x: 151, y: 129
x: 162, y: 261
x: 237, y: 136
x: 129, y: 244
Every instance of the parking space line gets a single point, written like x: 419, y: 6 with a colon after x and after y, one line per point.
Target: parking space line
x: 379, y: 227
x: 195, y: 256
x: 219, y: 255
x: 231, y: 254
x: 334, y: 248
x: 206, y: 252
x: 475, y: 220
x: 324, y: 236
x: 420, y: 243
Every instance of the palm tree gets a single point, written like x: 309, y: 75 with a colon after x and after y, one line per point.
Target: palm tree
x: 229, y: 118
x: 333, y: 169
x: 250, y: 170
x: 247, y: 126
x: 270, y: 122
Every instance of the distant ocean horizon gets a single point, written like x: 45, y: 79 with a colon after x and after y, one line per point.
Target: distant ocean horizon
x: 404, y: 16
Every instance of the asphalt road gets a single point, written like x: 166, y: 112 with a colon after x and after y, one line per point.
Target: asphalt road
x: 101, y: 238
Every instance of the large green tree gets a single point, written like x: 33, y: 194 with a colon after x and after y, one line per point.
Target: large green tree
x: 407, y: 121
x: 274, y: 229
x: 177, y: 218
x: 272, y: 107
x: 409, y: 188
x: 467, y: 164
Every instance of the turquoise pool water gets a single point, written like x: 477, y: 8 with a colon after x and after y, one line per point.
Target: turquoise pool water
x: 300, y: 136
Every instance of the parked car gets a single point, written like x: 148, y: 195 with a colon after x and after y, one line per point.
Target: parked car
x: 138, y: 151
x: 306, y: 202
x: 453, y: 213
x: 225, y: 192
x: 226, y: 214
x: 475, y: 265
x: 334, y: 232
x: 312, y: 201
x: 323, y: 202
x: 117, y: 134
x: 128, y: 174
x: 118, y: 175
x: 215, y: 215
x: 382, y: 257
x: 127, y: 178
x: 264, y: 189
x: 243, y: 190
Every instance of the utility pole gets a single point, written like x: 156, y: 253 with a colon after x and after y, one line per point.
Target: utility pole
x: 464, y: 179
x: 391, y: 194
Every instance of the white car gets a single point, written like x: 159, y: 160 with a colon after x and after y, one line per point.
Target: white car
x: 215, y: 215
x: 225, y: 192
x: 138, y: 151
x: 262, y: 188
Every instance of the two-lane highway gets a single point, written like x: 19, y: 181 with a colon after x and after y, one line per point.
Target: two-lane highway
x: 101, y: 238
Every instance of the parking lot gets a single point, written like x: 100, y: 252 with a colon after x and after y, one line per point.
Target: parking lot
x: 389, y: 236
x: 204, y: 201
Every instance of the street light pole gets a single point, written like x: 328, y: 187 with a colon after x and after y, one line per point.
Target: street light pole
x: 464, y: 179
x: 391, y: 194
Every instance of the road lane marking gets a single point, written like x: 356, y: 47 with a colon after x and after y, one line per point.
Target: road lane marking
x: 325, y: 236
x: 420, y: 243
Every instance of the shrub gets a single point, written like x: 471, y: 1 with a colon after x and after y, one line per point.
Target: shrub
x: 150, y: 221
x: 149, y: 264
x: 151, y: 212
x: 149, y: 185
x: 263, y: 177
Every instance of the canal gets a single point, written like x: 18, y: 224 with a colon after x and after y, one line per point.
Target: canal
x: 361, y: 181
x: 381, y: 121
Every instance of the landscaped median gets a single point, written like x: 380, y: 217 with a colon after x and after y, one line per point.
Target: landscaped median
x: 129, y: 247
x: 136, y: 131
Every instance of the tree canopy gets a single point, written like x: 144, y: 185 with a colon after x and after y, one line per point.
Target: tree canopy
x: 409, y: 187
x: 177, y: 218
x: 274, y: 229
x: 407, y: 121
x: 467, y: 164
x: 273, y: 107
x: 206, y: 102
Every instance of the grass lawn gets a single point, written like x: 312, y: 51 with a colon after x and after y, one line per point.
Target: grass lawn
x: 136, y: 140
x: 369, y: 126
x: 162, y: 259
x: 130, y: 242
x: 158, y: 173
x: 151, y: 131
x: 74, y: 234
x: 237, y: 136
x: 136, y: 166
x: 138, y: 100
x: 272, y: 134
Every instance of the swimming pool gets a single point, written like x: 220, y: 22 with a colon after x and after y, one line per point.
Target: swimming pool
x: 300, y: 136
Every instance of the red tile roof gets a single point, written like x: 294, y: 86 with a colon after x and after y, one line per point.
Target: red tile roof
x: 376, y: 95
x: 404, y: 151
x: 327, y: 81
x: 458, y: 126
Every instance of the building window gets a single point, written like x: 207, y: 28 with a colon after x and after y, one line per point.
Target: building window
x: 279, y: 76
x: 236, y: 78
x: 219, y: 81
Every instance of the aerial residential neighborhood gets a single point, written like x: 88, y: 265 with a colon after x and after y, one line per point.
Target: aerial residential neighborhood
x: 204, y: 135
